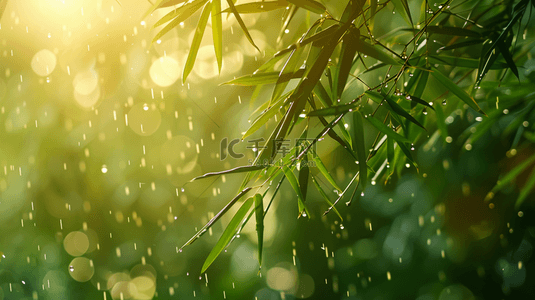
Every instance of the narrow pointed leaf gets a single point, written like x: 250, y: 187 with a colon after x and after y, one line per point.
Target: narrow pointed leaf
x: 509, y: 177
x: 464, y: 62
x: 360, y: 147
x: 229, y: 233
x: 242, y: 25
x: 455, y: 89
x: 197, y: 38
x: 347, y: 54
x: 325, y: 197
x: 526, y: 189
x: 258, y: 7
x: 241, y: 169
x: 260, y: 121
x: 457, y: 31
x: 403, y: 8
x: 323, y: 170
x: 397, y: 109
x: 189, y: 10
x: 264, y: 78
x: 310, y: 5
x: 319, y: 36
x: 216, y: 217
x: 295, y: 185
x: 259, y: 213
x: 462, y: 44
x: 288, y: 16
x: 373, y: 51
x: 217, y: 32
x: 167, y: 3
x: 386, y: 130
x: 504, y: 49
x: 419, y: 101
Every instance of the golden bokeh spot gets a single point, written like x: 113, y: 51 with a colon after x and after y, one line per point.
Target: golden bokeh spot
x: 144, y: 119
x: 76, y: 243
x: 81, y: 269
x: 44, y: 62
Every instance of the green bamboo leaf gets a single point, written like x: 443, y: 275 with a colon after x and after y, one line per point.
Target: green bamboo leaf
x: 258, y: 7
x: 513, y: 174
x: 217, y: 32
x: 264, y: 78
x: 295, y: 185
x: 259, y: 213
x: 323, y: 170
x: 189, y: 10
x: 397, y: 109
x: 325, y: 197
x: 170, y: 15
x: 421, y: 85
x: 153, y: 8
x: 310, y: 5
x: 360, y: 147
x: 229, y: 233
x: 241, y: 169
x: 260, y: 121
x: 288, y: 69
x: 405, y: 11
x: 390, y: 152
x: 347, y: 54
x: 386, y: 130
x: 242, y: 25
x: 504, y: 50
x: 197, y: 38
x: 455, y: 89
x: 419, y: 101
x: 317, y: 37
x: 288, y: 16
x: 303, y: 177
x: 464, y: 62
x: 374, y: 52
x: 334, y: 110
x: 526, y: 190
x: 216, y: 217
x: 456, y: 31
x: 462, y: 44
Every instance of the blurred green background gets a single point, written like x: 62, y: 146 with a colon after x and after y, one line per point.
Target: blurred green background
x: 98, y: 135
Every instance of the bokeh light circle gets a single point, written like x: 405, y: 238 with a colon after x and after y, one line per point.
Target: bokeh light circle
x: 81, y: 269
x: 164, y: 71
x: 144, y: 119
x: 44, y: 62
x: 76, y: 243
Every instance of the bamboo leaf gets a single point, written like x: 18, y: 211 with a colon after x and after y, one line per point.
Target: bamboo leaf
x: 333, y: 110
x: 419, y: 101
x: 325, y: 197
x: 323, y: 170
x: 258, y: 7
x: 260, y: 121
x: 189, y: 10
x: 398, y: 109
x: 216, y: 217
x: 288, y: 16
x: 310, y: 5
x: 259, y: 213
x: 347, y: 54
x: 295, y: 185
x: 405, y: 11
x: 229, y: 233
x: 264, y: 78
x: 462, y: 44
x: 197, y: 38
x: 456, y: 31
x: 319, y: 36
x: 167, y: 3
x: 374, y: 52
x: 513, y: 174
x: 504, y: 49
x: 360, y: 147
x: 242, y: 25
x: 455, y: 89
x: 241, y: 169
x: 386, y: 130
x: 526, y: 190
x: 217, y: 32
x: 463, y: 62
